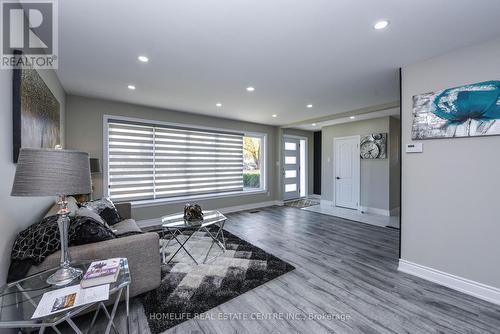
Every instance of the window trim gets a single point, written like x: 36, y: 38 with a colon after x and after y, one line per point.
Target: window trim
x: 152, y: 202
x: 184, y: 199
x: 263, y: 173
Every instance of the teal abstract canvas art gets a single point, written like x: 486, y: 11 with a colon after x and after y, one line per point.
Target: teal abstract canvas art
x: 465, y: 111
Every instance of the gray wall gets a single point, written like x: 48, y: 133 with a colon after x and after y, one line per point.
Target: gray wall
x: 394, y: 163
x: 310, y: 155
x: 84, y: 120
x: 374, y: 173
x: 450, y: 192
x: 16, y: 213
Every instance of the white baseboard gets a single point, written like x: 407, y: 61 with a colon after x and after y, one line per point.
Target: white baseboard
x: 326, y: 203
x: 375, y: 211
x: 395, y: 211
x: 157, y: 221
x: 365, y: 209
x: 476, y: 289
x: 250, y: 206
x: 314, y: 196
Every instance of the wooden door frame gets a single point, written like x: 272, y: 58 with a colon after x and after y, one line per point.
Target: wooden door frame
x: 357, y: 164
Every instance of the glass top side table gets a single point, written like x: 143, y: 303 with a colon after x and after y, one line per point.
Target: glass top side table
x: 19, y: 299
x: 174, y: 225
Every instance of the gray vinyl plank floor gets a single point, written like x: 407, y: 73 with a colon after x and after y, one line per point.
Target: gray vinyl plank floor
x: 345, y: 281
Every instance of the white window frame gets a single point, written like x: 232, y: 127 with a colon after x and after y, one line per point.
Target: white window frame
x: 181, y: 199
x: 263, y: 155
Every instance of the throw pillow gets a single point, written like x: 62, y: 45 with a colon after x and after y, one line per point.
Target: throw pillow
x: 37, y: 241
x: 42, y: 239
x: 86, y: 212
x: 105, y: 208
x: 126, y: 227
x: 86, y: 230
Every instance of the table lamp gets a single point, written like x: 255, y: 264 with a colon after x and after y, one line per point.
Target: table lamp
x: 54, y: 172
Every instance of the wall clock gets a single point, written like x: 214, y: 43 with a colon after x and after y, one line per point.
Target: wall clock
x: 374, y: 146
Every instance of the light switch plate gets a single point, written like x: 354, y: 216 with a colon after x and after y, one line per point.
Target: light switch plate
x: 414, y: 148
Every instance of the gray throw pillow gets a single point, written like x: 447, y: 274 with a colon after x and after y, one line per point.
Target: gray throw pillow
x: 105, y: 208
x: 86, y: 212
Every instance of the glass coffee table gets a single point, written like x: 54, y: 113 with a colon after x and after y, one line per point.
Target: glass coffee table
x: 19, y: 299
x: 174, y: 225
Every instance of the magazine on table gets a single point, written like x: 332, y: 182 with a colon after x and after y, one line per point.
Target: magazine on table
x: 101, y: 272
x: 69, y: 297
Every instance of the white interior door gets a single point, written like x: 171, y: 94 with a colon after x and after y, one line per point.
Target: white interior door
x: 291, y: 168
x: 346, y: 172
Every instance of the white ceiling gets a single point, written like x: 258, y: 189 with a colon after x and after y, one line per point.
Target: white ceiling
x: 293, y: 52
x: 340, y: 119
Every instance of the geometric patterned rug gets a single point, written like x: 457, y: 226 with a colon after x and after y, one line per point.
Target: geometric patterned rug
x: 187, y: 289
x: 301, y: 203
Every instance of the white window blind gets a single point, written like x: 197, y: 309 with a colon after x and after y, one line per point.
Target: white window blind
x: 153, y: 162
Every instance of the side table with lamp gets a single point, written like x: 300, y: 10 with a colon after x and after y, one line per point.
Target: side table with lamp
x: 50, y: 172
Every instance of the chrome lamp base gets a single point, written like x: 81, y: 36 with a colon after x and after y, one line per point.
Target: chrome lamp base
x: 64, y: 276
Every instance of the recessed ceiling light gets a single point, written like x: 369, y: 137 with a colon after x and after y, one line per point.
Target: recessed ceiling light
x: 309, y: 106
x: 314, y: 124
x: 381, y: 24
x: 131, y: 87
x: 250, y: 89
x: 144, y: 59
x: 352, y: 117
x: 218, y: 104
x: 274, y: 115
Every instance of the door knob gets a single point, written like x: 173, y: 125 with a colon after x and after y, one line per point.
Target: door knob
x: 338, y: 178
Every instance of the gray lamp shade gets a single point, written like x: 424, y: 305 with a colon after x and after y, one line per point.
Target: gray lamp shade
x: 48, y: 172
x: 95, y: 165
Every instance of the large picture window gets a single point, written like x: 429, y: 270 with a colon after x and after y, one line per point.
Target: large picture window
x: 155, y: 162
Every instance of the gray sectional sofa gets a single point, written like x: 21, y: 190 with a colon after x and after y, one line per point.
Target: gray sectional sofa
x: 141, y: 250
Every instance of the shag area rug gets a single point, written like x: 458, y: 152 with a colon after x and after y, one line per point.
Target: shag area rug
x: 187, y: 290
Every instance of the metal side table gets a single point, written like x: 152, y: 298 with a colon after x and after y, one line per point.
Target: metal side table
x: 18, y: 301
x: 174, y: 225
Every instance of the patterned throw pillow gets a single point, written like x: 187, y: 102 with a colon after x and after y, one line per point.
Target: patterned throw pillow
x: 42, y: 239
x: 86, y: 230
x: 105, y: 208
x: 85, y: 212
x: 37, y: 241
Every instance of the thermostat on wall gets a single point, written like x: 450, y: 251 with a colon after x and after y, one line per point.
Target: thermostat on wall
x: 414, y: 148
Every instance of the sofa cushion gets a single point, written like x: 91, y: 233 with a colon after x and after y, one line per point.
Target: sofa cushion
x: 126, y: 227
x: 105, y: 208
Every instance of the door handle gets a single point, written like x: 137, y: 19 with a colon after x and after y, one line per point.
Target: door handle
x: 338, y: 178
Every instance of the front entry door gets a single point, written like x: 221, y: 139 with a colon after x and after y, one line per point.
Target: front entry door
x: 347, y: 172
x: 291, y: 168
